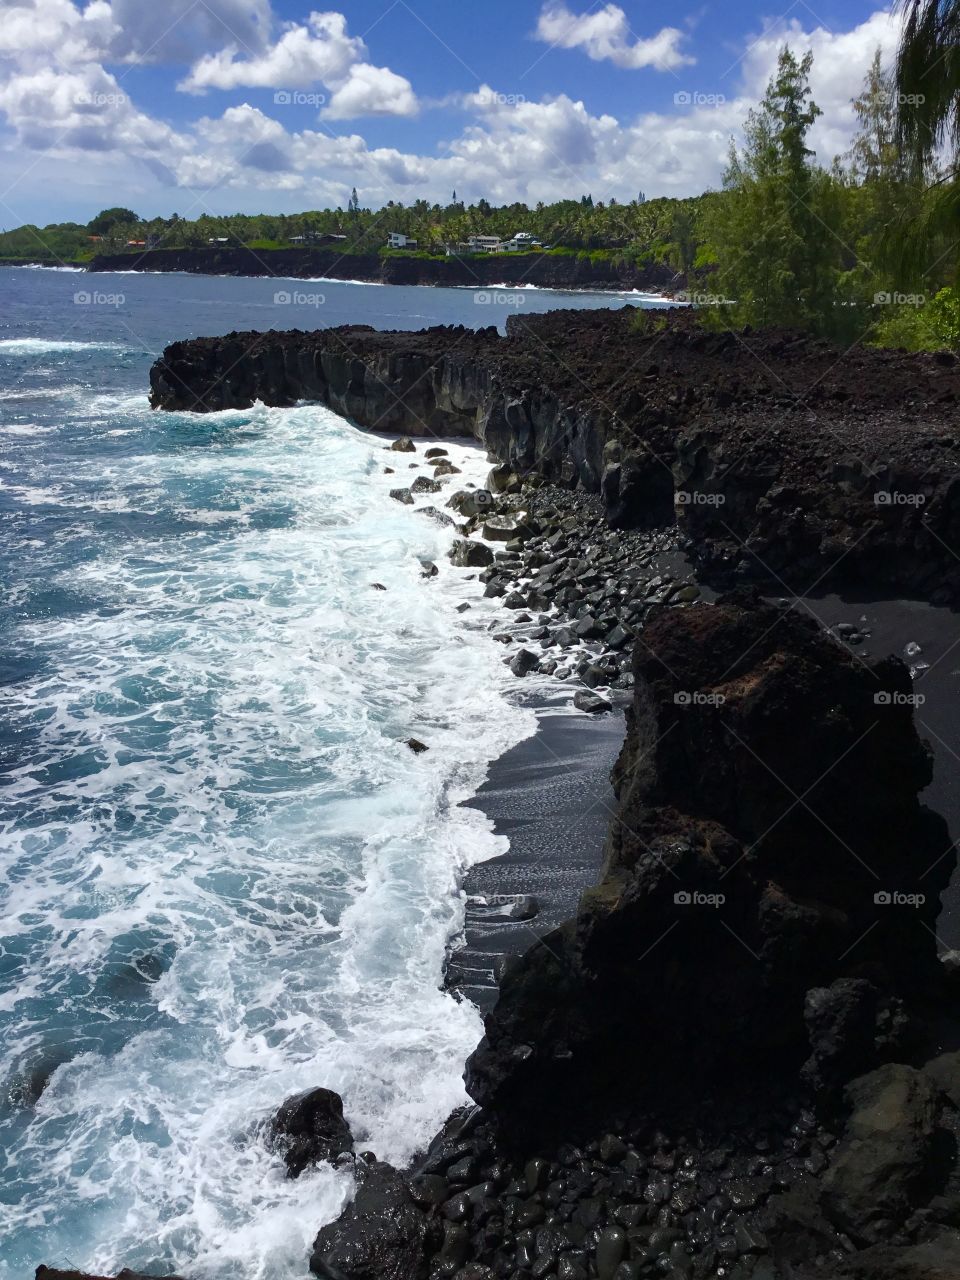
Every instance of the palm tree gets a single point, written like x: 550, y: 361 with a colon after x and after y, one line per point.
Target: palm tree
x: 928, y: 124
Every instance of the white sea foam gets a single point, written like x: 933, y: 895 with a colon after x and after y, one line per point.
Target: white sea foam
x: 44, y: 346
x: 218, y: 776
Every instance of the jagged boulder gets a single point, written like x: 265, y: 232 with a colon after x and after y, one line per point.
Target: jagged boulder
x: 768, y: 841
x: 382, y: 1235
x: 888, y: 1161
x: 309, y: 1128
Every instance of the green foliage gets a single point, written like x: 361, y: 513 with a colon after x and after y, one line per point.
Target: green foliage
x: 935, y: 326
x: 775, y: 235
x: 107, y: 219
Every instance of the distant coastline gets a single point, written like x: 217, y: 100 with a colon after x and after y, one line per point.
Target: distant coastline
x: 547, y: 271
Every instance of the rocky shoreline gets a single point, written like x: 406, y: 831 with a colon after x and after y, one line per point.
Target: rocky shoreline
x: 537, y: 270
x: 776, y: 458
x: 740, y: 1056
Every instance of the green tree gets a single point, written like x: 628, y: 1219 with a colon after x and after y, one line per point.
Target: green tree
x: 107, y: 219
x: 774, y: 233
x: 928, y: 129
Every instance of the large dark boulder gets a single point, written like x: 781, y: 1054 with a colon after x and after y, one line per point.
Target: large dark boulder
x: 382, y: 1235
x: 892, y: 1157
x: 768, y: 843
x: 309, y: 1128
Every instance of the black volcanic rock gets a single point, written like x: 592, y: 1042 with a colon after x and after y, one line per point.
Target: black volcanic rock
x: 767, y: 794
x: 309, y: 1128
x: 381, y: 1235
x: 822, y: 466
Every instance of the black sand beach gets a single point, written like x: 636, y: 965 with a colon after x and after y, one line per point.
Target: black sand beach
x: 551, y: 796
x: 927, y: 639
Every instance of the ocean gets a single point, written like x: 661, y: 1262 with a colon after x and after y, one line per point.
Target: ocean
x: 224, y: 876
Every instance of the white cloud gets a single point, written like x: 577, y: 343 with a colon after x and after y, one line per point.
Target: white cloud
x: 371, y: 91
x: 605, y: 35
x: 174, y: 31
x: 319, y: 53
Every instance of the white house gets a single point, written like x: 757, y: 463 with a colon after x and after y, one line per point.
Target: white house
x: 484, y: 244
x: 521, y: 241
x: 397, y: 240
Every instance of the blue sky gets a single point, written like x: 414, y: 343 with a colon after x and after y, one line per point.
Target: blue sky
x: 253, y: 105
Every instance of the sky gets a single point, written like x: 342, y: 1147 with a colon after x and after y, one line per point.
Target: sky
x: 223, y: 106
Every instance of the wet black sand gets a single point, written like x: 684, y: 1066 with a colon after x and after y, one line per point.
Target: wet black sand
x: 551, y: 796
x: 894, y: 625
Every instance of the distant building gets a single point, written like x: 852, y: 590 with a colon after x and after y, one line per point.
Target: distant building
x: 136, y: 244
x: 397, y: 240
x: 317, y: 237
x: 521, y: 241
x: 483, y: 244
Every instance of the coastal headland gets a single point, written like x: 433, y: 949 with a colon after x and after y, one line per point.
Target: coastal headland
x: 533, y: 270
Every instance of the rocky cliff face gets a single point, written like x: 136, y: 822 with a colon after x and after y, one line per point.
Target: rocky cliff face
x: 545, y: 271
x: 770, y: 888
x: 781, y: 458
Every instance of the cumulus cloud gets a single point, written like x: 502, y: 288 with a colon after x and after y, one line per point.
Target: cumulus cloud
x: 605, y: 35
x: 371, y: 91
x: 174, y: 31
x: 318, y: 53
x: 97, y: 141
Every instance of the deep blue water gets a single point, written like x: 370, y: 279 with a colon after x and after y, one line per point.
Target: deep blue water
x: 223, y: 876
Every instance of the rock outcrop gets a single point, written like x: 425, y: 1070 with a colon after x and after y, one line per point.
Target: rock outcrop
x: 779, y: 457
x: 310, y: 1128
x: 769, y: 893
